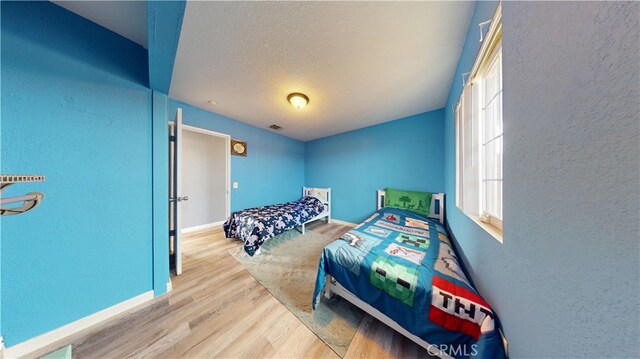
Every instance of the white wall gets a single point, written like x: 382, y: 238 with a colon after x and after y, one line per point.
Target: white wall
x: 203, y: 179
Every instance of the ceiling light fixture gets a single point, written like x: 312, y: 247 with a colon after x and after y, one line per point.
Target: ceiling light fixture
x: 212, y: 102
x: 298, y: 100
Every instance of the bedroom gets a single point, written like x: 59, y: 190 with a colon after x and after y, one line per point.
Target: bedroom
x: 87, y: 92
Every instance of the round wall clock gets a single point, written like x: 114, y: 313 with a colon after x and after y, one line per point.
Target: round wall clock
x: 238, y: 148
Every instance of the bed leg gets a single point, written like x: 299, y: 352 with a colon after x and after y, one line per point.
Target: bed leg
x: 328, y: 219
x: 303, y: 228
x: 327, y: 287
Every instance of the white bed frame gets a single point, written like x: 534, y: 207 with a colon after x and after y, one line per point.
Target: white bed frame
x: 332, y: 287
x: 324, y: 195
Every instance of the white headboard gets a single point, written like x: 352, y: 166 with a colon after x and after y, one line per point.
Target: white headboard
x: 323, y: 194
x: 436, y: 210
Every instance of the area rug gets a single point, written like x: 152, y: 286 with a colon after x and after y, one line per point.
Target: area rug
x: 287, y: 268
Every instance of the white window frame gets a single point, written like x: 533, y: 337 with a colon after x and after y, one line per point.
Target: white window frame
x: 495, y: 58
x: 470, y: 117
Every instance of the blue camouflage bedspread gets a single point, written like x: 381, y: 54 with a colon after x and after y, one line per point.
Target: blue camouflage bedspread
x: 403, y: 264
x: 255, y: 225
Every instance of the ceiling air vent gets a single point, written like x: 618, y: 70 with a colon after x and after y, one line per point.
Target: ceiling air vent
x: 275, y: 127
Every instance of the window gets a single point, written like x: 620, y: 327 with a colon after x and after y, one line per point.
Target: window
x: 479, y: 136
x: 491, y: 134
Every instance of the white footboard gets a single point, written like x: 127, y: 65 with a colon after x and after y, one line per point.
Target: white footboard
x: 332, y: 287
x: 324, y: 196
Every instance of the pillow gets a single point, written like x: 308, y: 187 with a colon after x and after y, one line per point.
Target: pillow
x: 317, y: 193
x: 418, y: 202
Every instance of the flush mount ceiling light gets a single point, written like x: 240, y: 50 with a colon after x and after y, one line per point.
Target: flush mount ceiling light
x: 298, y: 100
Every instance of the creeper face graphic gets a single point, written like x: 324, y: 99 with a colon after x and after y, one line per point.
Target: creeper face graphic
x: 413, y: 240
x: 395, y: 279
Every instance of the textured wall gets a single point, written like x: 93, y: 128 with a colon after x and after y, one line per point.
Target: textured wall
x: 406, y: 153
x: 566, y: 280
x: 272, y: 172
x: 76, y: 108
x: 160, y: 139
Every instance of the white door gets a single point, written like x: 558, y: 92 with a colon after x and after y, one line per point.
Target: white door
x: 218, y: 176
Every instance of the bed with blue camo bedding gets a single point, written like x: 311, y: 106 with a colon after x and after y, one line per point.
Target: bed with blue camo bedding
x: 404, y: 265
x: 256, y: 225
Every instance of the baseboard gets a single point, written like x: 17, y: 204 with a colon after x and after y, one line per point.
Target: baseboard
x: 344, y: 223
x: 36, y: 343
x: 201, y: 227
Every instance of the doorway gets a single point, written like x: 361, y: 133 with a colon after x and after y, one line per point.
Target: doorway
x: 199, y: 176
x: 204, y: 179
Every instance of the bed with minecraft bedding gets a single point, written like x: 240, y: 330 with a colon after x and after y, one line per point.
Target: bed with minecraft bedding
x: 256, y: 225
x: 403, y: 265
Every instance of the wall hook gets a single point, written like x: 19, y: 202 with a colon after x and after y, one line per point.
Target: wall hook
x: 29, y: 201
x: 482, y: 25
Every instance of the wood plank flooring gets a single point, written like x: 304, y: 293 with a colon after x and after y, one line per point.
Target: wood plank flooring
x: 218, y: 310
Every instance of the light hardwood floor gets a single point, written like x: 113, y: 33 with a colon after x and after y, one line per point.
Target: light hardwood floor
x: 217, y: 309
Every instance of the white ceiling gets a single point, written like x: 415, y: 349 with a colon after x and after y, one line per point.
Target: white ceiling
x: 360, y: 63
x: 126, y: 18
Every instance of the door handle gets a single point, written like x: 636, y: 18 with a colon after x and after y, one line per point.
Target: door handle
x: 185, y: 198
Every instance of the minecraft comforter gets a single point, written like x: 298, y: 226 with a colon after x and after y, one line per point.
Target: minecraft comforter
x: 255, y: 225
x: 403, y: 265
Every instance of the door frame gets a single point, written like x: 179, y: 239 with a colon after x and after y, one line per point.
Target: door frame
x: 227, y: 140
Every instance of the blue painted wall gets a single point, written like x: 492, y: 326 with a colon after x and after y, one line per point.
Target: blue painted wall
x: 406, y: 153
x: 565, y: 282
x: 75, y: 107
x: 164, y: 24
x: 273, y: 170
x: 160, y: 140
